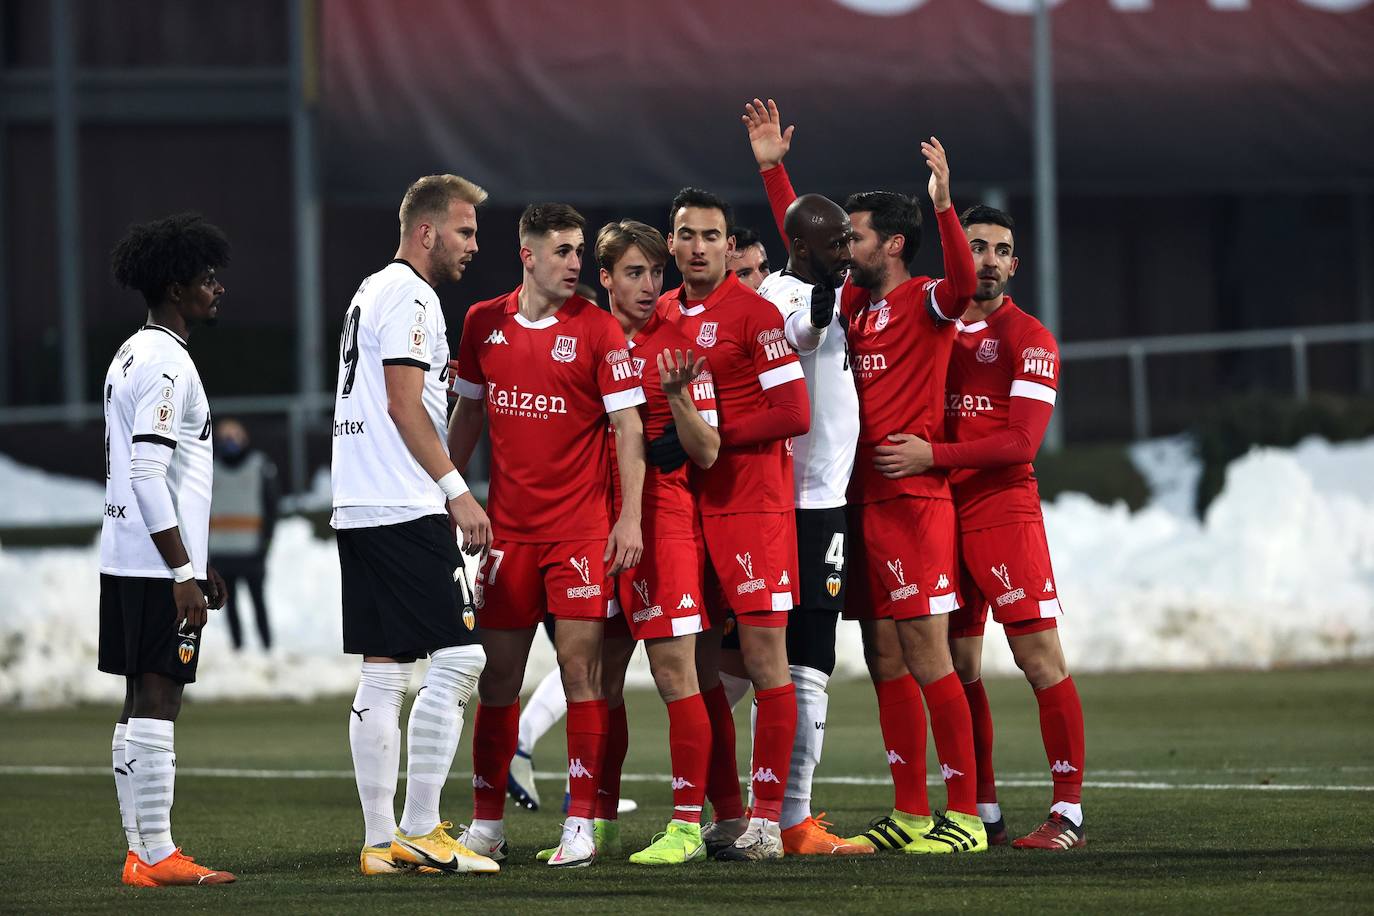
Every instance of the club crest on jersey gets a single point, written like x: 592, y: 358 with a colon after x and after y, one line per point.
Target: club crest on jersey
x: 832, y: 585
x: 987, y: 350
x: 706, y: 335
x: 884, y: 316
x: 638, y: 362
x: 564, y: 349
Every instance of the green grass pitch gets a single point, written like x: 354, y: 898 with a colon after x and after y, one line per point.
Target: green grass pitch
x: 1223, y: 792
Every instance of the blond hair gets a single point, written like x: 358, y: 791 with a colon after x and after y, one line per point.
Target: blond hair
x: 431, y: 196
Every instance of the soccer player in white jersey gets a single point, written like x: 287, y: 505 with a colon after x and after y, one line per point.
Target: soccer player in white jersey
x: 397, y: 500
x: 819, y: 235
x: 154, y: 579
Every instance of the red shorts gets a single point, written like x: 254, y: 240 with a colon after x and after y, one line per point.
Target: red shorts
x: 519, y: 582
x: 661, y: 597
x: 1006, y: 570
x: 754, y: 558
x: 904, y: 559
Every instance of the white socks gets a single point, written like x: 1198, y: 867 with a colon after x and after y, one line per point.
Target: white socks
x: 151, y: 763
x: 436, y: 720
x: 735, y: 687
x: 125, y: 790
x: 374, y: 734
x: 812, y: 704
x: 989, y: 812
x: 541, y: 711
x: 1073, y: 812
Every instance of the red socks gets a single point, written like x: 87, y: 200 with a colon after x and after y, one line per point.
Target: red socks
x: 722, y: 781
x: 775, y: 730
x: 1061, y: 727
x: 587, y: 728
x: 953, y: 729
x: 689, y: 736
x: 494, y: 736
x: 617, y: 745
x: 982, y: 740
x: 902, y: 718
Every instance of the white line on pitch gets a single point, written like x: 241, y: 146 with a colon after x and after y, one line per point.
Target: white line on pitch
x: 1154, y: 786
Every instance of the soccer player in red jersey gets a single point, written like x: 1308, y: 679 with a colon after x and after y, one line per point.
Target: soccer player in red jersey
x: 901, y: 331
x: 660, y: 600
x: 544, y: 368
x: 1002, y: 385
x: 745, y: 503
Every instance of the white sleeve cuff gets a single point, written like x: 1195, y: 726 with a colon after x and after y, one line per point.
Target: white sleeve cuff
x: 470, y: 390
x: 712, y: 418
x: 1033, y: 390
x: 619, y: 400
x: 781, y: 375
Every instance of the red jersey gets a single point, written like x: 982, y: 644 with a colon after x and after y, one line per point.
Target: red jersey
x: 741, y: 335
x: 899, y: 350
x: 669, y: 508
x: 548, y: 385
x: 1009, y: 355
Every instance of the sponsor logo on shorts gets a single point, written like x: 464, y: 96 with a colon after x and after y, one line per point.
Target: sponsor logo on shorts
x: 1049, y: 587
x: 706, y: 335
x: 949, y: 772
x: 765, y: 774
x: 903, y: 590
x: 586, y: 589
x: 641, y: 587
x: 942, y: 582
x: 832, y: 585
x: 647, y: 614
x: 1012, y: 594
x: 987, y: 350
x: 784, y: 580
x: 564, y: 349
x: 751, y: 584
x: 686, y: 604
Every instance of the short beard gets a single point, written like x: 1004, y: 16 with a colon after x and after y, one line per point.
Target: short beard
x: 980, y: 296
x: 864, y: 278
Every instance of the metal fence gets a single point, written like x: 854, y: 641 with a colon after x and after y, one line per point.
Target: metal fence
x: 302, y: 411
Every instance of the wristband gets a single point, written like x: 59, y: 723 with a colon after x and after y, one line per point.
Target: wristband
x: 183, y: 573
x: 452, y: 484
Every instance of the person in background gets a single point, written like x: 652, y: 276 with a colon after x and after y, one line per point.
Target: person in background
x: 243, y: 515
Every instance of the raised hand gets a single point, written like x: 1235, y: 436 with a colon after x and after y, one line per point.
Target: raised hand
x: 939, y: 173
x: 766, y: 136
x: 676, y: 370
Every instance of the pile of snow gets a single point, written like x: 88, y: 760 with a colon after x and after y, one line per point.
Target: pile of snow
x: 1280, y: 571
x: 35, y: 497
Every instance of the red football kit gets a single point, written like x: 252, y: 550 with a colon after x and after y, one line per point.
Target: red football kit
x: 662, y: 596
x: 548, y: 386
x: 1002, y: 384
x: 745, y: 498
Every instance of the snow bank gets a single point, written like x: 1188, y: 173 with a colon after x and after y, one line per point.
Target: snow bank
x: 1280, y: 571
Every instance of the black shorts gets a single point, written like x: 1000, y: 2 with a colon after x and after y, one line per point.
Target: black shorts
x: 138, y: 630
x: 400, y: 598
x: 822, y: 558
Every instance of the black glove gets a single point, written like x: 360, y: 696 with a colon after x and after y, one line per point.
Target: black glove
x: 822, y: 305
x: 666, y: 452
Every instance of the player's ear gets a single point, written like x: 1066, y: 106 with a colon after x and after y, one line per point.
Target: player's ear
x: 605, y: 276
x: 527, y: 257
x: 671, y: 243
x: 895, y: 244
x: 1015, y: 261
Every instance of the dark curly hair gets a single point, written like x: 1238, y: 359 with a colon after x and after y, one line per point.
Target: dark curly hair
x: 154, y: 255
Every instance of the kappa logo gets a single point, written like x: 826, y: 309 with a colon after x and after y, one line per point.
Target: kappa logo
x: 564, y: 349
x: 1002, y: 575
x: 893, y: 757
x: 987, y: 350
x: 706, y: 335
x: 680, y: 783
x: 577, y: 771
x: 949, y: 772
x: 686, y: 604
x: 1063, y: 766
x: 480, y: 782
x: 765, y: 774
x: 1049, y: 587
x: 884, y: 317
x: 784, y: 581
x: 497, y: 337
x: 832, y: 585
x: 942, y: 582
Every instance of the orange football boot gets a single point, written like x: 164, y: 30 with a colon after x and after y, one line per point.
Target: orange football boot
x: 130, y: 875
x: 180, y: 869
x: 810, y: 838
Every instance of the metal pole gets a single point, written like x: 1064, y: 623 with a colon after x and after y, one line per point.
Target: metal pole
x: 1046, y: 216
x: 1140, y: 394
x: 1301, y: 383
x: 1364, y: 281
x: 306, y: 197
x: 68, y: 238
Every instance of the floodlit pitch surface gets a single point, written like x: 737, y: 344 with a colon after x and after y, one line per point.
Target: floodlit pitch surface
x: 1224, y: 792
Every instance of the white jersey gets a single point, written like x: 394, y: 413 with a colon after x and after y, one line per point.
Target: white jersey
x: 394, y: 319
x: 824, y: 457
x: 153, y: 394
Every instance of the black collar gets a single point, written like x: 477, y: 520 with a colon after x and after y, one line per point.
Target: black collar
x: 170, y: 333
x: 411, y: 266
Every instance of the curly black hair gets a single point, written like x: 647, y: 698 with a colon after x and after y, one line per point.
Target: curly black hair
x: 154, y: 255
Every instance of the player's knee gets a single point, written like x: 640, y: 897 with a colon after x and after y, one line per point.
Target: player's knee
x: 499, y: 685
x: 674, y: 682
x: 581, y: 676
x: 967, y: 664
